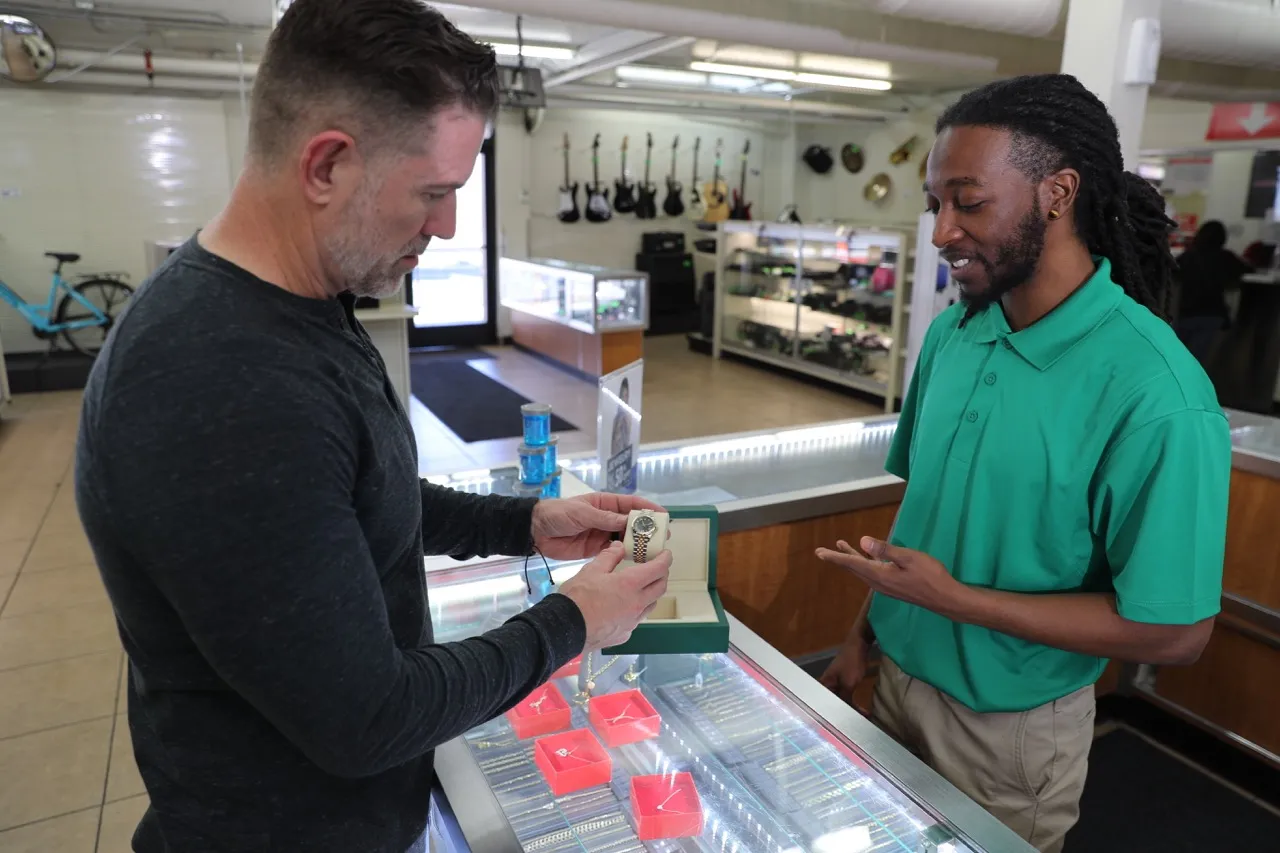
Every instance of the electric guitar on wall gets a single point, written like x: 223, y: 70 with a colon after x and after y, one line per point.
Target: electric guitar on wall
x: 697, y: 207
x: 624, y: 201
x: 673, y: 205
x: 597, y: 196
x: 646, y: 205
x: 568, y: 211
x: 741, y: 209
x: 716, y: 192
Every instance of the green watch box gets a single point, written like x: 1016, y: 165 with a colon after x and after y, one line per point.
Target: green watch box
x: 689, y: 619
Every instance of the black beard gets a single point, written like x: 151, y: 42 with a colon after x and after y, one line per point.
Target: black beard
x: 1015, y: 263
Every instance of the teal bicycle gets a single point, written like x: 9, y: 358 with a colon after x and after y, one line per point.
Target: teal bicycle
x: 85, y: 313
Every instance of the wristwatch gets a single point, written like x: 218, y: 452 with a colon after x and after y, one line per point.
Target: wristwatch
x: 642, y: 530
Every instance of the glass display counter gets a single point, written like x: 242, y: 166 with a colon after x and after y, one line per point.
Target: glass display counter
x: 828, y: 302
x: 779, y: 765
x: 589, y: 298
x: 588, y: 318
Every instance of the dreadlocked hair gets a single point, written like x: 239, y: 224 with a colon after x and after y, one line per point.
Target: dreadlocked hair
x: 1057, y: 123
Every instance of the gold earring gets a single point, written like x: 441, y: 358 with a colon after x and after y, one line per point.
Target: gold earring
x: 1053, y: 214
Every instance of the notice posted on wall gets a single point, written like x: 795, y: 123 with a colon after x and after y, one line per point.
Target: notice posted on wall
x: 618, y: 427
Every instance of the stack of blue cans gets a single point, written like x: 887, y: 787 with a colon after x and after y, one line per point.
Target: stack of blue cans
x: 539, y: 468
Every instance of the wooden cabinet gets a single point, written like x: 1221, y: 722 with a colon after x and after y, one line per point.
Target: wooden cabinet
x: 587, y: 353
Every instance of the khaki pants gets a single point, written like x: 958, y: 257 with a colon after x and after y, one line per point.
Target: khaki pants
x: 1027, y: 769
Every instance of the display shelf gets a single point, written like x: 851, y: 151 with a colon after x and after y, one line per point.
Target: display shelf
x: 771, y: 773
x: 585, y: 297
x: 825, y: 302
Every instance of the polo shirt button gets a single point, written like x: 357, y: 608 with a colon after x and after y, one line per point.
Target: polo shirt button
x: 972, y: 416
x: 990, y: 379
x: 1008, y: 344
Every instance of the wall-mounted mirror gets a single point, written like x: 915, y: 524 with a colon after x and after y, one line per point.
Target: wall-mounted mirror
x: 26, y: 53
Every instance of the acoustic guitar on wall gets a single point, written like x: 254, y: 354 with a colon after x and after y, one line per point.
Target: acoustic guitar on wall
x: 597, y: 196
x: 673, y: 205
x: 568, y: 209
x: 716, y: 192
x: 646, y: 204
x: 741, y: 209
x: 624, y: 200
x: 697, y: 207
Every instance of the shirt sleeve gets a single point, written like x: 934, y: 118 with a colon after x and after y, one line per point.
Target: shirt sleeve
x: 463, y: 525
x: 249, y: 533
x: 1160, y: 510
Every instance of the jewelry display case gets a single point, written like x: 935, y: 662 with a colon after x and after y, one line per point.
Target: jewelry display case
x: 828, y: 302
x: 589, y: 318
x: 738, y: 752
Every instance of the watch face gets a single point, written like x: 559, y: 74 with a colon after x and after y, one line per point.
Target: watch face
x: 645, y: 525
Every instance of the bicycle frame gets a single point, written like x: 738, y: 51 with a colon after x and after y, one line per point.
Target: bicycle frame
x: 41, y: 316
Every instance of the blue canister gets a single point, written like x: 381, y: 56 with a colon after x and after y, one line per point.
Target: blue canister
x: 537, y: 423
x: 533, y: 464
x: 551, y: 488
x: 524, y: 490
x: 552, y: 444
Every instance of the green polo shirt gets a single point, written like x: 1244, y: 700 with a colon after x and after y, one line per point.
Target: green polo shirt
x: 1085, y: 453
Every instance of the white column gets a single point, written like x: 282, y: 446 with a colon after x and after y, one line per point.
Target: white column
x: 1096, y: 50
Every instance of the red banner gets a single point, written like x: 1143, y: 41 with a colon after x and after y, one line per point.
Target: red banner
x: 1244, y: 121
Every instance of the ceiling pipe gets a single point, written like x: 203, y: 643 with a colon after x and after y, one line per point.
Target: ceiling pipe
x: 613, y: 60
x: 723, y: 114
x: 1225, y: 33
x: 722, y: 27
x: 1035, y: 18
x: 138, y: 82
x: 164, y: 65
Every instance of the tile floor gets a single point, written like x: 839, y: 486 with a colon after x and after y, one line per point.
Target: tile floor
x: 68, y: 782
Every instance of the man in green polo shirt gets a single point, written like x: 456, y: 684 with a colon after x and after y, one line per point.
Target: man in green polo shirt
x: 1067, y: 462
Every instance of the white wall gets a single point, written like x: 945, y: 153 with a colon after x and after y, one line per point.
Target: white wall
x: 838, y: 194
x: 99, y: 175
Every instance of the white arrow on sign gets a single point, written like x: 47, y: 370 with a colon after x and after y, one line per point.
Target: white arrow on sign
x: 1257, y: 119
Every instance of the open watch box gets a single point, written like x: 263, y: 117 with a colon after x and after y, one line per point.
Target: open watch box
x: 689, y: 619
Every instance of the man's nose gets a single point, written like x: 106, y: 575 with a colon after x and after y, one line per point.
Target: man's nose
x: 945, y: 230
x: 442, y: 222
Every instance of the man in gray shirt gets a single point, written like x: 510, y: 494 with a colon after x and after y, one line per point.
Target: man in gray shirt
x: 248, y: 477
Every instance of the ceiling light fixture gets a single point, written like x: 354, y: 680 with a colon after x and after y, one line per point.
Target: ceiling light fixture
x: 653, y: 74
x: 801, y: 77
x: 846, y: 66
x: 531, y: 51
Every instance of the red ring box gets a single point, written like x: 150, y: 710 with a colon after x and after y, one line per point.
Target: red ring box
x: 540, y: 713
x: 569, y: 669
x: 572, y: 761
x: 666, y: 806
x: 623, y: 717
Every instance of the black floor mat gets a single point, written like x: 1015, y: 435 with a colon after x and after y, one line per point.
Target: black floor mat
x: 471, y: 404
x: 1139, y: 798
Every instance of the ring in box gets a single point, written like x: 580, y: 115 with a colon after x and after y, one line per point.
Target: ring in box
x: 541, y: 712
x: 572, y: 761
x: 689, y: 619
x: 569, y: 670
x: 665, y: 806
x: 623, y: 718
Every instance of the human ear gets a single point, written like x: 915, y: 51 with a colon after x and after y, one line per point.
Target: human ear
x: 1059, y: 192
x: 328, y: 166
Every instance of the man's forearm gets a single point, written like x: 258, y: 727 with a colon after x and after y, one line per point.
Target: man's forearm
x: 1085, y: 623
x: 861, y: 629
x: 463, y: 525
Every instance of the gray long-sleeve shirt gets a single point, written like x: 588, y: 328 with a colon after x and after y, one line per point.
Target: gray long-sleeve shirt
x: 248, y: 481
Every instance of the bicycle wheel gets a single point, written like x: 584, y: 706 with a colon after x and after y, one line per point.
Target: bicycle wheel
x: 105, y: 294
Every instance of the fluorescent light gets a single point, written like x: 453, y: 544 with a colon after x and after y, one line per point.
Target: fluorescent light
x: 531, y: 51
x: 805, y: 77
x: 744, y: 71
x: 844, y: 82
x: 845, y: 65
x: 748, y: 55
x: 651, y: 74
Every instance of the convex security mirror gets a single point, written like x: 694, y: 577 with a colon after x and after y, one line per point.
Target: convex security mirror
x: 26, y: 53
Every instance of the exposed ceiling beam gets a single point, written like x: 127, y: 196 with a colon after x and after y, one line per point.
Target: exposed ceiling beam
x: 621, y: 57
x: 598, y: 48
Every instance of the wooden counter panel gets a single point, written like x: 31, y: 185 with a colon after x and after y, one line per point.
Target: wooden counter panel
x: 618, y: 349
x: 1252, y: 567
x: 771, y: 580
x: 1233, y: 684
x: 594, y: 355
